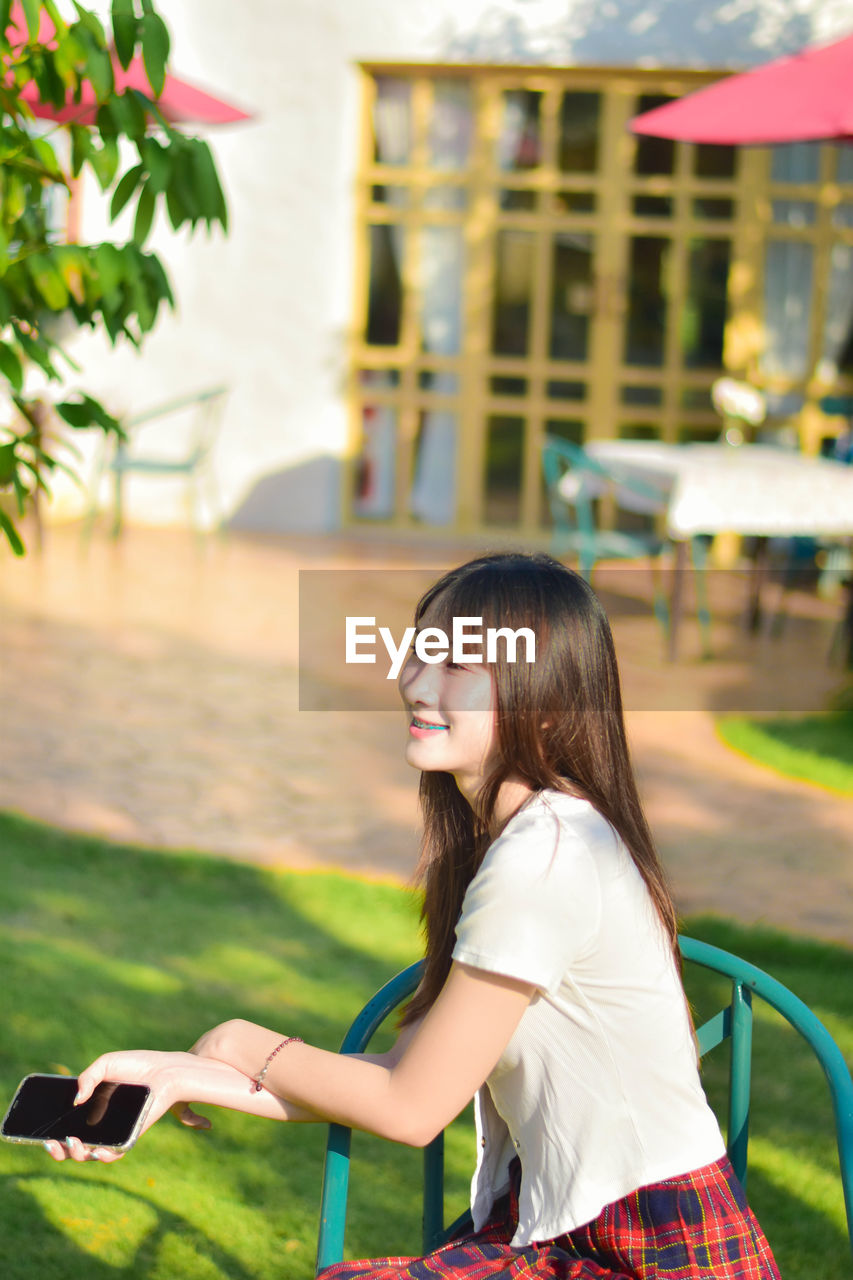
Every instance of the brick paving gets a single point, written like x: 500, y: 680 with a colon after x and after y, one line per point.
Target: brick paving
x: 150, y: 693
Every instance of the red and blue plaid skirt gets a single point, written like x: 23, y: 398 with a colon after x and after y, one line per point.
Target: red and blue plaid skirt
x: 694, y: 1227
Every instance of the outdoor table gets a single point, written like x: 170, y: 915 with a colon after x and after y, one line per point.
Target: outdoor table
x: 752, y: 490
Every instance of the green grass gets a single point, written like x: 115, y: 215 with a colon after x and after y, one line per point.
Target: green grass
x: 104, y: 946
x: 815, y: 748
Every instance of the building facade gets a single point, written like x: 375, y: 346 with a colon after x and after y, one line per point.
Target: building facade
x: 447, y: 244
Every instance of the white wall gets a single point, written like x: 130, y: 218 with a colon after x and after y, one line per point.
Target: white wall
x: 266, y: 310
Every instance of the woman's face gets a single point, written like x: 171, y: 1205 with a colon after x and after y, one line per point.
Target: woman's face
x: 450, y: 712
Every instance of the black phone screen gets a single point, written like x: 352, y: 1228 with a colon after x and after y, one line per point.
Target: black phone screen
x: 44, y: 1108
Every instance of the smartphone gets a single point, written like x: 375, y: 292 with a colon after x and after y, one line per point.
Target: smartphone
x: 43, y: 1108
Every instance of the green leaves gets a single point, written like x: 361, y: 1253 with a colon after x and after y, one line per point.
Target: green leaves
x: 155, y: 50
x: 10, y: 366
x: 11, y: 533
x: 85, y: 411
x: 125, y: 189
x: 125, y: 30
x: 144, y: 215
x: 32, y: 14
x: 44, y: 283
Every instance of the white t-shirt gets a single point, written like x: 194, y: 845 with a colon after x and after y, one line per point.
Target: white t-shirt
x: 598, y: 1091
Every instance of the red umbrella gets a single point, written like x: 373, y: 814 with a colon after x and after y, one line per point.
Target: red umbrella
x: 807, y: 97
x: 180, y: 102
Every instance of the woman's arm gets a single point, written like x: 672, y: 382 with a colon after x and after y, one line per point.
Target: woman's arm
x: 173, y: 1079
x: 409, y: 1096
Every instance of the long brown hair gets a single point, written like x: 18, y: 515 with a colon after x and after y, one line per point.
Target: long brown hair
x: 559, y: 725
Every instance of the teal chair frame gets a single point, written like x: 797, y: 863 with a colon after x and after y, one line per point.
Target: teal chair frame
x: 733, y: 1023
x: 207, y: 407
x: 583, y: 538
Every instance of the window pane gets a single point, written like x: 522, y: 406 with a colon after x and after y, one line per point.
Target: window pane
x: 439, y: 380
x: 646, y: 319
x: 642, y: 395
x: 571, y: 296
x: 638, y: 431
x: 796, y: 162
x: 385, y: 293
x: 653, y: 206
x: 844, y: 163
x: 520, y: 142
x: 574, y: 202
x: 452, y: 125
x: 838, y: 329
x: 794, y: 213
x: 442, y: 269
x: 787, y: 302
x: 697, y: 398
x: 433, y: 496
x: 508, y: 386
x: 653, y: 155
x: 515, y: 199
x: 566, y: 390
x: 447, y: 198
x: 504, y: 452
x: 842, y: 214
x: 578, y: 148
x: 513, y: 285
x: 565, y: 429
x: 703, y: 320
x: 714, y: 162
x: 398, y: 197
x: 373, y: 475
x: 704, y: 207
x: 392, y: 121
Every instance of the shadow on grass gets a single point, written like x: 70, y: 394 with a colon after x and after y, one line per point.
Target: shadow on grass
x: 164, y: 1242
x: 103, y: 946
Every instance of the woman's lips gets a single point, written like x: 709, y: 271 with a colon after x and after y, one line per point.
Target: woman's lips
x: 425, y: 728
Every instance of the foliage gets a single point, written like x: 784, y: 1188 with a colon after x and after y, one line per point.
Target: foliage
x: 47, y: 286
x: 816, y: 748
x: 103, y: 945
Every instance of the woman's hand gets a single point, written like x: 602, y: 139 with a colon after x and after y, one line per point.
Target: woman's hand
x: 171, y: 1077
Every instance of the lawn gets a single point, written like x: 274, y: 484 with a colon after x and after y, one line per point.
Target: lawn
x: 815, y: 748
x: 104, y: 946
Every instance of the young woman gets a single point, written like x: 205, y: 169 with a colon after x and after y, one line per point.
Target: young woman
x: 551, y: 990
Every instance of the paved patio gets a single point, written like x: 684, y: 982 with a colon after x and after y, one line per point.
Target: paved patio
x: 150, y: 693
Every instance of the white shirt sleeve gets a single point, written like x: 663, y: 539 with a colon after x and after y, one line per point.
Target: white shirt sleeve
x: 534, y: 907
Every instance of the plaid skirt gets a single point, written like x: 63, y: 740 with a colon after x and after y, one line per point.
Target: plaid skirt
x: 694, y: 1227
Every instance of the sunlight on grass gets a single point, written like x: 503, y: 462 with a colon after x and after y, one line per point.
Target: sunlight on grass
x: 97, y: 1220
x: 815, y: 749
x: 103, y: 946
x: 816, y: 1186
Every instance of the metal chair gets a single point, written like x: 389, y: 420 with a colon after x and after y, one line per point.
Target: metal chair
x: 574, y: 481
x: 192, y: 466
x: 733, y: 1022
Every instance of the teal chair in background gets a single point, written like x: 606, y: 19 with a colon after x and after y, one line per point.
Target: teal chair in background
x: 733, y: 1022
x: 192, y: 465
x: 574, y: 481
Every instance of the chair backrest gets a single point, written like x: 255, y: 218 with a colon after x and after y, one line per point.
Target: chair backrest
x: 732, y: 1022
x: 589, y: 479
x: 208, y: 406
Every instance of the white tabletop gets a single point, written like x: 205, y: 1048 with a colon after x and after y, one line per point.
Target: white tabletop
x: 748, y: 489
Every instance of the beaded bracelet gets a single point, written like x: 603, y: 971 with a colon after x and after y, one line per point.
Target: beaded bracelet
x: 258, y: 1080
